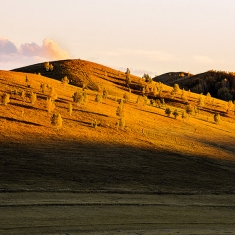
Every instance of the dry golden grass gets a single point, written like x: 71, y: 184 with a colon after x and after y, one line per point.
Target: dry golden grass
x: 195, y: 140
x: 159, y: 175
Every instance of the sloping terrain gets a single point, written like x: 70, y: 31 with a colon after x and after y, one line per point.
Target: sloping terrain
x: 156, y: 175
x: 220, y: 84
x: 153, y: 153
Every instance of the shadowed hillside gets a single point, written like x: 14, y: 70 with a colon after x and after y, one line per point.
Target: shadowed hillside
x: 219, y: 84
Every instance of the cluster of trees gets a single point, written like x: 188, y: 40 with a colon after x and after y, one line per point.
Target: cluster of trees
x: 218, y: 83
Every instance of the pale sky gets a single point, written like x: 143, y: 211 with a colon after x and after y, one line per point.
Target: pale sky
x: 147, y: 36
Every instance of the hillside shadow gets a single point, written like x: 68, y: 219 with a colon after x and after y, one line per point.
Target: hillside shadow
x: 20, y: 121
x: 54, y: 164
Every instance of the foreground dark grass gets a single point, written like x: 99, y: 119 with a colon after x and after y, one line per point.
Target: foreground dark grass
x: 76, y: 165
x: 110, y: 213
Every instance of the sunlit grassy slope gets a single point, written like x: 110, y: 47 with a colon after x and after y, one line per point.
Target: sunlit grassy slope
x: 153, y: 153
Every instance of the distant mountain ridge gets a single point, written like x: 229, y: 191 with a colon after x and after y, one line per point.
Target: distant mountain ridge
x: 219, y: 84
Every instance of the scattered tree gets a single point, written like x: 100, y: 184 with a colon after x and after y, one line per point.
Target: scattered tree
x: 105, y: 94
x: 128, y: 77
x: 183, y: 115
x: 201, y: 101
x: 6, y: 98
x: 168, y: 112
x: 120, y: 110
x: 78, y: 98
x: 65, y: 80
x: 208, y: 97
x: 56, y: 120
x: 47, y: 66
x: 52, y: 94
x: 98, y: 98
x: 43, y: 87
x: 121, y: 123
x: 189, y: 109
x: 224, y: 94
x: 27, y: 81
x: 158, y: 103
x: 175, y: 113
x: 216, y: 118
x: 33, y: 98
x: 147, y: 78
x: 51, y: 67
x: 176, y: 89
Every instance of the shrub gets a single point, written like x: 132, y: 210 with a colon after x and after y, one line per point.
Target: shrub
x: 120, y: 101
x: 175, y: 113
x: 201, y: 101
x: 158, y: 103
x: 52, y: 94
x: 95, y: 123
x: 98, y: 98
x: 80, y: 97
x: 43, y: 87
x: 183, y: 115
x: 216, y: 118
x: 176, y: 88
x: 120, y: 110
x: 23, y: 95
x: 65, y: 80
x: 121, y: 123
x: 56, y: 120
x: 85, y: 97
x: 189, y: 109
x: 168, y: 112
x: 128, y: 78
x: 51, y: 67
x: 33, y: 98
x: 47, y: 66
x: 147, y: 78
x: 105, y: 94
x: 27, y: 81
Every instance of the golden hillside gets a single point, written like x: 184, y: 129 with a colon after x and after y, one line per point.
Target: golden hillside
x: 151, y: 153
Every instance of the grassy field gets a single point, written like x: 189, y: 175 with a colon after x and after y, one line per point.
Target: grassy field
x: 98, y: 213
x: 156, y: 174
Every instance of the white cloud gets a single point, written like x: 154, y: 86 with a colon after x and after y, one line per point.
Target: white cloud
x: 7, y: 47
x: 29, y: 53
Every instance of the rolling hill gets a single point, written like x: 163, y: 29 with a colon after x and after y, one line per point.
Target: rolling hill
x: 154, y: 175
x: 152, y: 153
